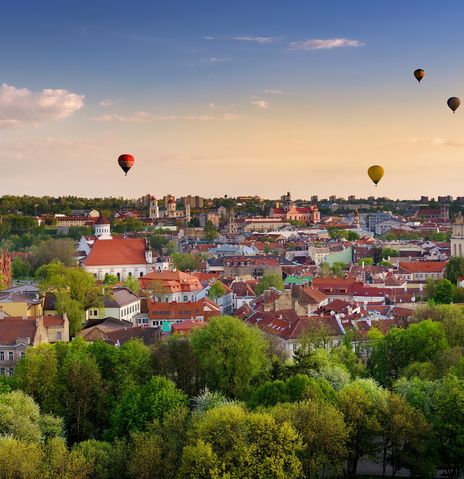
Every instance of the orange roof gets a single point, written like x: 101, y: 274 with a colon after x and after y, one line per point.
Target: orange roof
x: 53, y: 321
x: 171, y: 282
x: 188, y: 310
x: 116, y: 252
x: 424, y: 266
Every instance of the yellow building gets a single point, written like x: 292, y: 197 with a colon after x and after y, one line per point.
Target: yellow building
x: 20, y: 301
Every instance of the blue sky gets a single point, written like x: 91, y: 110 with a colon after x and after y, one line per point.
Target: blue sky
x: 193, y: 88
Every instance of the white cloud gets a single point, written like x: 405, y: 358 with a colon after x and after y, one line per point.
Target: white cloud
x: 20, y: 106
x: 245, y: 38
x: 276, y: 92
x: 262, y: 104
x: 255, y: 39
x: 141, y: 116
x: 324, y: 44
x: 217, y: 60
x: 106, y: 102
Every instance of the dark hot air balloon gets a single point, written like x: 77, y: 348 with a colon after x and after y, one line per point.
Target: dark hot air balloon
x: 419, y: 74
x: 375, y: 173
x: 126, y: 162
x: 454, y: 103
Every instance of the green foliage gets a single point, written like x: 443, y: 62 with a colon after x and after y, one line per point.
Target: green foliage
x: 336, y: 233
x: 338, y: 269
x: 141, y: 405
x: 269, y: 281
x: 231, y: 354
x: 20, y: 268
x: 454, y: 269
x: 186, y: 261
x: 216, y: 291
x: 389, y: 253
x: 366, y: 261
x: 211, y: 232
x: 230, y: 442
x: 443, y: 292
x: 132, y: 284
x: 110, y: 280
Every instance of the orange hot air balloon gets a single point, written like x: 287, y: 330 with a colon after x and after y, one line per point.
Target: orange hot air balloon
x: 454, y: 103
x: 126, y: 162
x: 375, y: 173
x: 419, y: 74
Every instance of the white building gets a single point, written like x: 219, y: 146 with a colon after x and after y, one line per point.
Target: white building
x: 122, y: 304
x: 457, y: 237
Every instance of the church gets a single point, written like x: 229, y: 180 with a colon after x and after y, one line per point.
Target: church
x: 121, y: 257
x: 287, y: 210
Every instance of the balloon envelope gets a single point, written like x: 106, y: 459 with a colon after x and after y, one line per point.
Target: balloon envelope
x: 375, y: 173
x: 419, y: 74
x: 454, y: 103
x: 126, y: 162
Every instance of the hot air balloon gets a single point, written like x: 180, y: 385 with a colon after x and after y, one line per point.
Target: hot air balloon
x: 375, y: 173
x: 126, y: 162
x: 419, y: 74
x: 454, y: 103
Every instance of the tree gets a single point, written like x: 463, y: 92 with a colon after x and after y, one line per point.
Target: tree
x: 211, y: 232
x: 141, y: 405
x: 366, y: 261
x: 132, y: 284
x: 325, y: 270
x: 269, y: 281
x: 338, y: 269
x: 230, y: 353
x: 19, y: 459
x: 37, y: 375
x: 323, y: 432
x: 216, y: 290
x: 186, y: 261
x: 110, y: 279
x: 389, y: 253
x: 20, y: 268
x: 62, y: 250
x: 230, y: 442
x: 360, y: 402
x: 404, y: 432
x: 454, y: 269
x: 443, y: 292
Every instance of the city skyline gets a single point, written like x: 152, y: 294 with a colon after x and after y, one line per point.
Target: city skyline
x: 230, y: 99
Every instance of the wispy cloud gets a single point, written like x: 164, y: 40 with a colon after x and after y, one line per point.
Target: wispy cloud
x: 324, y: 44
x: 141, y: 116
x: 276, y: 92
x: 21, y: 106
x: 217, y: 60
x: 261, y: 104
x: 444, y: 142
x: 246, y: 38
x: 106, y: 102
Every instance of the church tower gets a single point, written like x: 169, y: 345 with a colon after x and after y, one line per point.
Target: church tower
x: 103, y: 228
x: 154, y: 209
x: 356, y: 222
x: 457, y: 236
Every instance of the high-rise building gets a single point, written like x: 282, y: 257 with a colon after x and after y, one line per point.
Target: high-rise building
x: 195, y: 202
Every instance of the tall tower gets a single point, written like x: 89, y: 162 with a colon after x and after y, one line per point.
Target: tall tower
x: 154, y: 209
x: 171, y: 208
x: 287, y: 202
x: 187, y: 212
x: 457, y: 236
x: 356, y: 222
x: 102, y: 228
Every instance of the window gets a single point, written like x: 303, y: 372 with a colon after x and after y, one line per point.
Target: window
x: 185, y: 298
x: 22, y: 354
x: 10, y: 372
x: 10, y: 355
x: 58, y: 336
x: 2, y: 356
x: 2, y: 371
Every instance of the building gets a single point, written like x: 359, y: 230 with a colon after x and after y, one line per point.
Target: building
x: 195, y: 202
x: 170, y: 210
x: 5, y: 268
x: 374, y: 219
x: 166, y: 315
x: 121, y: 304
x: 153, y: 208
x: 288, y: 211
x: 235, y: 266
x: 457, y: 236
x: 421, y: 271
x: 16, y: 335
x: 434, y: 215
x: 120, y: 257
x: 21, y: 301
x: 57, y: 327
x: 170, y: 286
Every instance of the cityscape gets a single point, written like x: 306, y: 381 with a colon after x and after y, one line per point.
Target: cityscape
x: 231, y: 240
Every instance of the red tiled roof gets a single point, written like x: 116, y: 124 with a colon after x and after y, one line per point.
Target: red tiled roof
x: 14, y: 328
x: 187, y: 325
x: 188, y: 310
x: 53, y: 321
x: 424, y: 266
x: 117, y: 252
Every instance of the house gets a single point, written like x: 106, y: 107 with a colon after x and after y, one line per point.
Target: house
x: 57, y: 327
x: 23, y: 301
x: 16, y: 335
x: 287, y: 210
x: 186, y: 327
x: 421, y: 271
x: 244, y: 292
x: 165, y: 315
x: 302, y: 299
x: 98, y: 329
x: 121, y: 304
x: 226, y: 300
x: 336, y: 288
x: 118, y: 337
x: 251, y: 265
x: 169, y: 286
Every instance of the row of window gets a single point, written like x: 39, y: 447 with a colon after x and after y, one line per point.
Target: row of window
x: 9, y: 355
x: 6, y: 372
x: 133, y: 308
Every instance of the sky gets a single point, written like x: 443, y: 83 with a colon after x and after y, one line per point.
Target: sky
x: 231, y: 97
